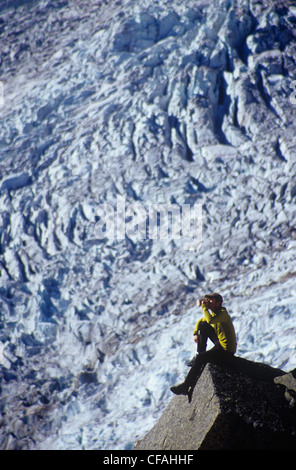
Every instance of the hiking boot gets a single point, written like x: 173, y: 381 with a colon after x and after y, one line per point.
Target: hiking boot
x: 181, y: 389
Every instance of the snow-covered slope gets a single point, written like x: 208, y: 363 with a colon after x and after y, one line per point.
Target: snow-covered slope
x: 165, y: 103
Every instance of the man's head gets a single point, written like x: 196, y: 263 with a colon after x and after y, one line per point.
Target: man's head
x: 215, y: 299
x: 212, y: 301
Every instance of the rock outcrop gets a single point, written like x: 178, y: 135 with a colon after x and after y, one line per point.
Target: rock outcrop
x: 230, y: 409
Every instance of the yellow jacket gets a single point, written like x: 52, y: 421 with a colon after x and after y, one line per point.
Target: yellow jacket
x: 223, y: 326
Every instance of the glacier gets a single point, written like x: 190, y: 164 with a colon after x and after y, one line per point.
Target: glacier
x: 166, y: 102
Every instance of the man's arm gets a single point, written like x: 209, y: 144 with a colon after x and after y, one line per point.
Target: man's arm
x: 197, y: 327
x: 207, y: 314
x: 213, y: 319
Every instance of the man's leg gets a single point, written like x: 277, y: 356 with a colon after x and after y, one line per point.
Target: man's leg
x: 205, y: 332
x: 199, y: 362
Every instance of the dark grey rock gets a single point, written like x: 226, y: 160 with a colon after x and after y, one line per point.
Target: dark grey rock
x: 229, y: 410
x: 288, y: 382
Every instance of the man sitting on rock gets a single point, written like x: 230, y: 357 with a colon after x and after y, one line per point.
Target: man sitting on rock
x: 218, y: 327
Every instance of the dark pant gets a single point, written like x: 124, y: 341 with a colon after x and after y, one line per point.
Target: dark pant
x: 205, y: 332
x: 216, y: 355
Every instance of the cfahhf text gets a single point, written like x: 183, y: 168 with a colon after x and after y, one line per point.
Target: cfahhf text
x: 150, y: 459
